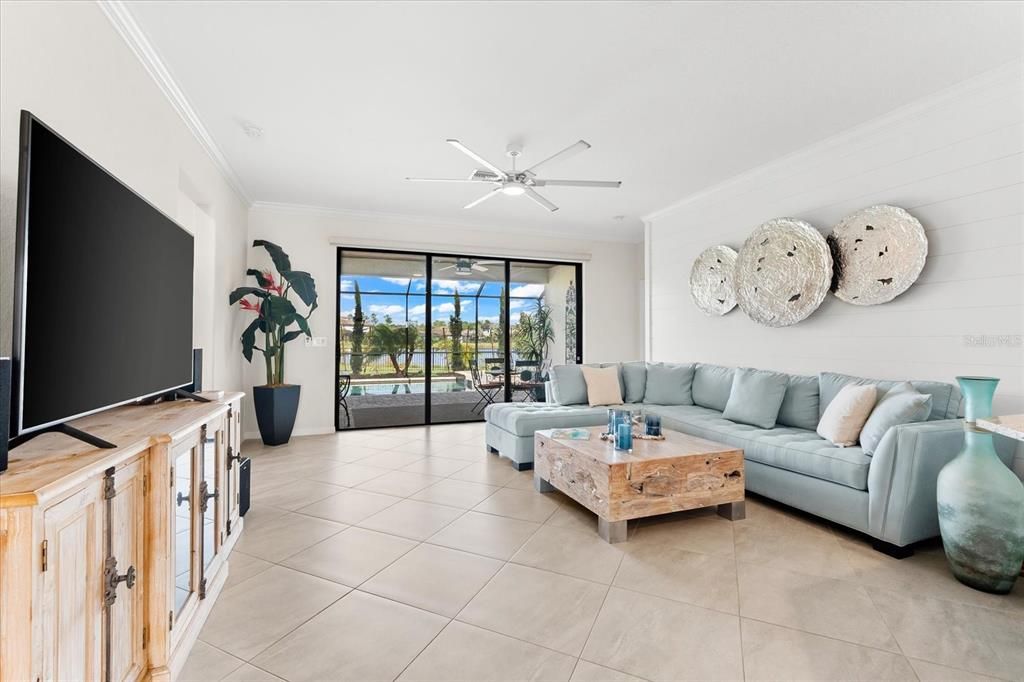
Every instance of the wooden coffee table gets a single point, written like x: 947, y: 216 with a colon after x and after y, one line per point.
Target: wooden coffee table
x: 657, y: 477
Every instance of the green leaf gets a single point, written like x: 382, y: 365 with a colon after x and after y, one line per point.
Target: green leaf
x: 249, y: 339
x: 261, y: 279
x: 241, y: 292
x: 302, y: 284
x: 277, y: 254
x: 303, y: 325
x: 290, y: 336
x: 277, y: 309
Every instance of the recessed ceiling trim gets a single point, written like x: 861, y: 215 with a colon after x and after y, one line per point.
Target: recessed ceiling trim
x: 122, y: 19
x: 1008, y: 73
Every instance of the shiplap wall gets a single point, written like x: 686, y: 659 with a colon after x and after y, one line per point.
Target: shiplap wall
x: 953, y: 160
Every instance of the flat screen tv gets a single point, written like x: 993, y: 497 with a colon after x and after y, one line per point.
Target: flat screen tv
x: 103, y: 289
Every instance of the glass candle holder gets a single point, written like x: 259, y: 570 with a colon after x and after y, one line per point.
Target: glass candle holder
x: 616, y: 417
x: 652, y: 425
x: 624, y: 436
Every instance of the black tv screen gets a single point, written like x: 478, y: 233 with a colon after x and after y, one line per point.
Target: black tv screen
x: 103, y: 314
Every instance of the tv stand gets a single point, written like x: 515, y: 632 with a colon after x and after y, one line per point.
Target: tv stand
x: 67, y: 430
x: 176, y: 394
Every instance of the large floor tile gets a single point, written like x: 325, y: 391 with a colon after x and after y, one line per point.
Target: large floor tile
x: 241, y: 567
x: 525, y: 505
x: 206, y: 663
x: 348, y: 451
x: 250, y: 673
x: 350, y: 506
x: 493, y: 536
x: 693, y: 532
x: 933, y: 672
x: 467, y: 452
x: 822, y: 606
x: 399, y: 483
x: 412, y: 519
x: 347, y: 475
x: 250, y: 617
x: 521, y: 480
x: 393, y: 459
x: 490, y: 471
x: 574, y: 515
x: 284, y: 535
x: 592, y: 672
x: 350, y: 557
x: 958, y: 635
x: 456, y: 493
x: 815, y: 551
x: 665, y: 571
x: 555, y: 611
x: 295, y: 494
x: 771, y: 652
x: 434, y: 578
x: 436, y: 466
x: 661, y: 639
x: 361, y: 637
x: 464, y: 653
x: 575, y: 553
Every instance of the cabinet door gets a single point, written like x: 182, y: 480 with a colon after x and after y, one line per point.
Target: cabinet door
x: 183, y: 543
x: 127, y: 613
x: 72, y: 600
x: 231, y: 478
x: 213, y: 458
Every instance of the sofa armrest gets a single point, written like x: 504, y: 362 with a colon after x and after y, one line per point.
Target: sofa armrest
x: 903, y: 475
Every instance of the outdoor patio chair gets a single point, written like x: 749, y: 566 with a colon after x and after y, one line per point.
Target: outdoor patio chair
x: 344, y: 386
x: 485, y: 388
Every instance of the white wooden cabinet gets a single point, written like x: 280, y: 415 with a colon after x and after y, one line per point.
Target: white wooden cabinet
x: 111, y: 559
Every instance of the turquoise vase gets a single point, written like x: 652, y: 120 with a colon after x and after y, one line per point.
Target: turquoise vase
x: 981, y: 502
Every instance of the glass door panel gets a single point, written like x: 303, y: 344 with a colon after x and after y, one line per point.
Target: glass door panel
x: 182, y: 528
x: 382, y: 301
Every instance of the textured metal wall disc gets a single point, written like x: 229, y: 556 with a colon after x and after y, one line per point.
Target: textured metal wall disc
x: 711, y: 280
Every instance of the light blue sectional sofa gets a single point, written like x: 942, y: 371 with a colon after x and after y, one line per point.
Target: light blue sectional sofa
x: 888, y: 494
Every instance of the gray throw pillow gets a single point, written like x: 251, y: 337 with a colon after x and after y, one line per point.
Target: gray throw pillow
x: 756, y: 397
x: 800, y: 405
x: 634, y: 378
x: 567, y: 385
x: 669, y: 384
x: 901, y: 404
x: 712, y: 385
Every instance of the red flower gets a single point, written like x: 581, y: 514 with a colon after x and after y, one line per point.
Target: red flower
x: 248, y: 305
x: 270, y: 286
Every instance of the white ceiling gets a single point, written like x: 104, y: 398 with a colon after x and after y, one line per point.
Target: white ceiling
x: 674, y: 97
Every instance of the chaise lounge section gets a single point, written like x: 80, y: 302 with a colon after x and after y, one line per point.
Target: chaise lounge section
x: 888, y: 494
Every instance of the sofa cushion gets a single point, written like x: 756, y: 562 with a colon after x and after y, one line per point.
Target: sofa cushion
x: 634, y: 378
x: 800, y: 404
x: 798, y: 450
x: 604, y: 385
x: 755, y: 397
x: 901, y: 404
x: 846, y: 414
x: 669, y: 384
x: 567, y: 385
x: 945, y: 397
x: 711, y: 386
x: 522, y: 419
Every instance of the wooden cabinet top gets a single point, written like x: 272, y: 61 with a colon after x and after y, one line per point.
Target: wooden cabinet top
x: 52, y: 462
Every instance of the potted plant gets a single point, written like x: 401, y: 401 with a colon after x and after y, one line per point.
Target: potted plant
x: 276, y: 402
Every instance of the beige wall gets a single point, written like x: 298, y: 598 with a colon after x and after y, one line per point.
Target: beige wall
x: 611, y: 281
x: 67, y: 64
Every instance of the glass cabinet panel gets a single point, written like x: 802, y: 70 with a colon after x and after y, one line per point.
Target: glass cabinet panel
x: 208, y: 496
x: 182, y: 502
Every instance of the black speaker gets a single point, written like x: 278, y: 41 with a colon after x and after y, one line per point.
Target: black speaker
x: 244, y: 482
x: 197, y: 371
x: 5, y: 409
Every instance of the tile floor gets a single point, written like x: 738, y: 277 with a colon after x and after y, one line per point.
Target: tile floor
x: 413, y: 554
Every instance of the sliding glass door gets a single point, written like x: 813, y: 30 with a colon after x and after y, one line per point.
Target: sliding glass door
x: 427, y: 339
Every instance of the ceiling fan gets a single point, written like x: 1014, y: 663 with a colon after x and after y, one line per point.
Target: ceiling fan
x: 466, y: 266
x: 516, y: 183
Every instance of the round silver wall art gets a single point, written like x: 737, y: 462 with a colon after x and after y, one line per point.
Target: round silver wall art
x: 879, y: 252
x: 783, y: 272
x: 711, y: 280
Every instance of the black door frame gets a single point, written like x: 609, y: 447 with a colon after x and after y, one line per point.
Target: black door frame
x: 428, y: 320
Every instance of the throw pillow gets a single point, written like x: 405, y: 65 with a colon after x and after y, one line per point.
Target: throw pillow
x: 669, y: 384
x: 567, y: 385
x: 755, y: 397
x: 602, y: 385
x: 845, y: 415
x: 634, y: 376
x: 712, y: 385
x: 800, y: 405
x: 901, y: 404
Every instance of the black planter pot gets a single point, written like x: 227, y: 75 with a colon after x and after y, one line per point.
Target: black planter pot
x: 276, y: 407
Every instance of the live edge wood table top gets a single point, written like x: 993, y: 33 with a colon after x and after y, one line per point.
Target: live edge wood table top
x: 657, y: 477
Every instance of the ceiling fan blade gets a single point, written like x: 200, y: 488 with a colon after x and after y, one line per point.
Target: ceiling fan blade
x: 474, y: 180
x: 496, y: 190
x: 571, y: 150
x: 577, y: 183
x: 478, y: 267
x: 530, y: 192
x: 447, y: 267
x: 476, y: 157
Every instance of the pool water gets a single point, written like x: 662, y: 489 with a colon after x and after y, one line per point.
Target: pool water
x: 407, y: 388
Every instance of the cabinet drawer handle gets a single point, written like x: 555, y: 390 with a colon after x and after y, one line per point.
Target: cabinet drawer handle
x: 112, y: 579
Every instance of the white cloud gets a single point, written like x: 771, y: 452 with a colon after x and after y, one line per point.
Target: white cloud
x: 387, y: 309
x: 527, y: 291
x: 418, y: 310
x: 397, y: 280
x: 347, y: 284
x: 445, y: 308
x: 448, y: 286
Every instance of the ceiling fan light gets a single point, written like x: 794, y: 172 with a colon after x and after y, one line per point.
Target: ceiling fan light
x: 513, y: 190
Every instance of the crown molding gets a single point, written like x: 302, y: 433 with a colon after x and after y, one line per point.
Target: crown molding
x: 120, y: 16
x: 386, y: 217
x: 1011, y: 72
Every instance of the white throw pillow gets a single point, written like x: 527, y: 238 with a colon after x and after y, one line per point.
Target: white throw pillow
x: 845, y: 415
x: 602, y: 385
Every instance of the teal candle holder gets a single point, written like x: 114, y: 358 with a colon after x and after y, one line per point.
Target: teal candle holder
x: 624, y: 436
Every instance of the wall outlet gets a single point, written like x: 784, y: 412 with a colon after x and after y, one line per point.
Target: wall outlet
x: 316, y: 341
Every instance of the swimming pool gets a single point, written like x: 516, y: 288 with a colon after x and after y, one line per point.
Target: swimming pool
x: 439, y: 386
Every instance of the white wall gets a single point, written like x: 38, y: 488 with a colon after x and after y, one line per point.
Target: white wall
x: 611, y: 280
x: 954, y: 161
x: 67, y: 64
